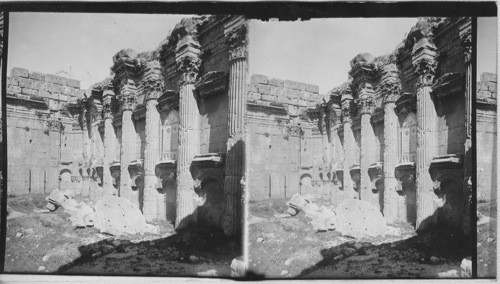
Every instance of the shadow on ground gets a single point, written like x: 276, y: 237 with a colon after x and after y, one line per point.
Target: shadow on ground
x: 48, y: 243
x: 289, y: 248
x: 426, y: 255
x: 186, y: 253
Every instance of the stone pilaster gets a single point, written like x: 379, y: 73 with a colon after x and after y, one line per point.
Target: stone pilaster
x: 424, y: 64
x: 465, y: 30
x: 188, y: 63
x: 109, y: 142
x: 367, y: 142
x: 127, y: 102
x: 349, y: 146
x: 154, y: 203
x: 236, y: 40
x: 391, y: 90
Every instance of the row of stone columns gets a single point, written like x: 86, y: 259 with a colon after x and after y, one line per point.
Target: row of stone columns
x: 187, y: 54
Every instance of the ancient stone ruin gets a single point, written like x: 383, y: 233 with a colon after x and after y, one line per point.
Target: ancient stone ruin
x: 170, y: 129
x: 397, y: 134
x: 165, y: 130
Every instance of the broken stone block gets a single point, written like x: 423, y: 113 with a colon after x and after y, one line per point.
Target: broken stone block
x: 292, y: 211
x: 118, y: 216
x: 349, y: 252
x: 238, y: 268
x: 51, y: 206
x: 82, y: 216
x: 466, y: 268
x: 107, y: 249
x: 297, y: 201
x: 358, y: 218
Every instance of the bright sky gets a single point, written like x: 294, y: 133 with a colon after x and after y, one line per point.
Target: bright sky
x: 487, y: 45
x: 81, y: 43
x: 318, y: 51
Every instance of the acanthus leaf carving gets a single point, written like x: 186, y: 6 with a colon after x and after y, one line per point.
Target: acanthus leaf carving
x: 189, y: 66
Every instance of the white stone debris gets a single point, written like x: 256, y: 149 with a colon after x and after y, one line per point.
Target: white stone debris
x: 357, y: 218
x: 82, y: 215
x: 322, y: 218
x: 238, y: 268
x: 466, y: 268
x: 208, y: 273
x: 118, y: 216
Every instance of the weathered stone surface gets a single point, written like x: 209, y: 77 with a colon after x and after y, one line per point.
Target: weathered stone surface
x: 19, y: 72
x: 466, y: 268
x: 258, y: 79
x: 118, y: 216
x: 357, y: 218
x: 37, y: 76
x: 238, y: 268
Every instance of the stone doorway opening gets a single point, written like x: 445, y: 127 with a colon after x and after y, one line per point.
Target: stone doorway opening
x: 65, y: 179
x: 169, y: 188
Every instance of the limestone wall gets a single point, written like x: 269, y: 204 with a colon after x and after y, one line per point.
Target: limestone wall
x: 44, y: 137
x: 486, y: 137
x: 285, y: 145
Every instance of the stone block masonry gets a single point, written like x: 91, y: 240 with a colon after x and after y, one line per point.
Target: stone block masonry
x: 272, y: 90
x: 396, y: 134
x: 486, y: 101
x: 45, y: 145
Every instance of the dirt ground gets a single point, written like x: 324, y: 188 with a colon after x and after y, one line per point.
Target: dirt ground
x: 48, y: 243
x: 486, y: 240
x: 290, y: 248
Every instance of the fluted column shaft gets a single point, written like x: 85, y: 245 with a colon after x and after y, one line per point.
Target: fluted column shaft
x: 235, y: 157
x: 86, y: 155
x: 390, y: 162
x: 187, y: 150
x: 109, y: 150
x: 349, y: 159
x: 426, y: 151
x: 152, y: 209
x: 424, y: 66
x: 367, y: 142
x: 337, y: 195
x: 126, y: 153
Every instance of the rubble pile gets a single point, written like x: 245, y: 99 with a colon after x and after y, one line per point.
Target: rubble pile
x: 112, y: 214
x: 117, y: 216
x: 354, y: 218
x: 358, y: 218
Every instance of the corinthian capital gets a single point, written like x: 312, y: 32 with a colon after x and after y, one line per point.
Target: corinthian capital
x: 153, y: 81
x: 390, y: 90
x: 236, y: 41
x: 424, y: 61
x: 128, y: 96
x: 189, y: 68
x: 187, y: 59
